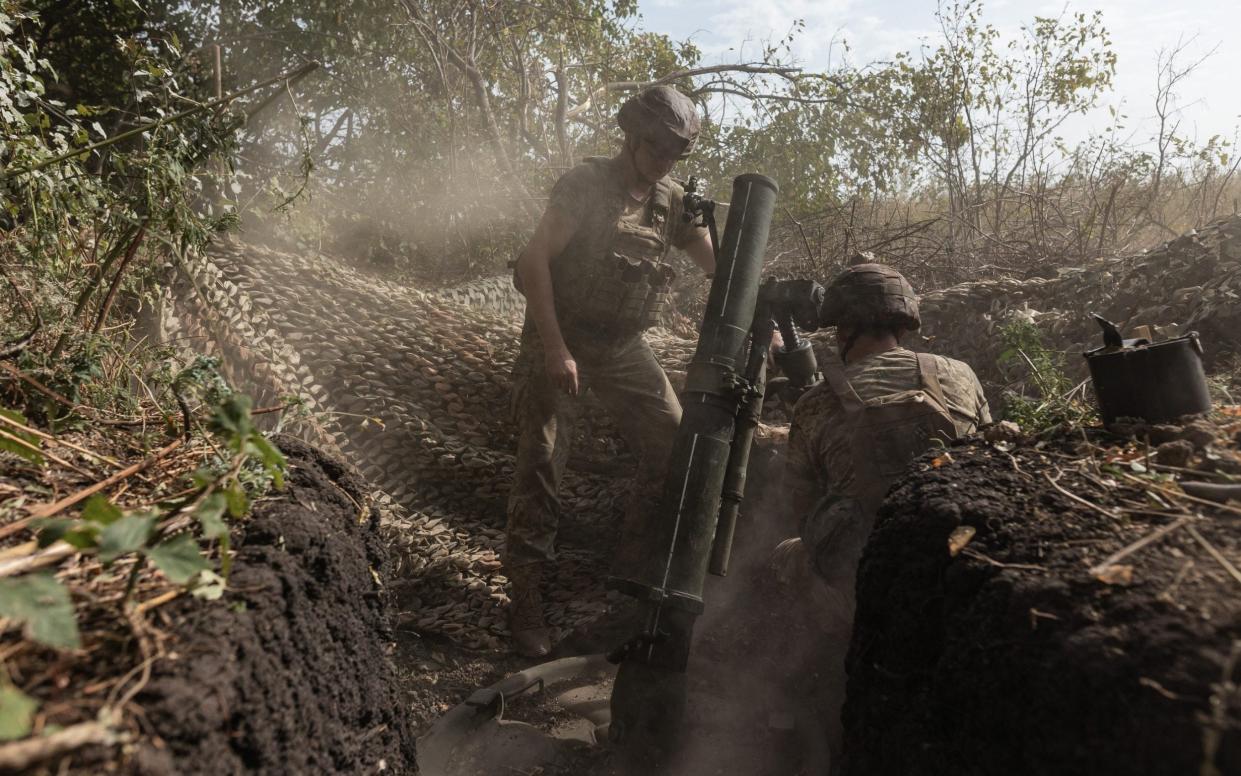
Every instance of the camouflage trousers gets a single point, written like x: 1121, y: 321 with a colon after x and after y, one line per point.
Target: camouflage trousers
x: 633, y: 388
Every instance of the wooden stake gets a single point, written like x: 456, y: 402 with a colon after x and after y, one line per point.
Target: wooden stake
x: 219, y: 75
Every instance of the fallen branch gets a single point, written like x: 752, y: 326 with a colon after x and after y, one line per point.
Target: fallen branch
x: 157, y: 601
x: 18, y: 550
x: 51, y: 555
x: 1182, y: 495
x: 41, y: 452
x: 970, y: 552
x: 57, y: 440
x: 1216, y: 492
x: 75, y: 407
x: 38, y: 386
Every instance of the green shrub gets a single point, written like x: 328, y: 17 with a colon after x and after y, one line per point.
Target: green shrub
x: 1039, y: 395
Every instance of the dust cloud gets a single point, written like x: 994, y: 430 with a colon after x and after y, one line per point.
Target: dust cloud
x: 767, y: 668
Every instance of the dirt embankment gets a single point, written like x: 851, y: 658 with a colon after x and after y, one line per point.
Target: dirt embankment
x: 1030, y: 651
x: 289, y: 674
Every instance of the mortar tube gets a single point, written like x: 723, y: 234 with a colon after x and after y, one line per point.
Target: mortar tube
x: 648, y: 700
x: 673, y: 570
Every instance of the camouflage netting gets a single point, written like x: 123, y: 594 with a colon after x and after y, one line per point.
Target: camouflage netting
x: 413, y: 389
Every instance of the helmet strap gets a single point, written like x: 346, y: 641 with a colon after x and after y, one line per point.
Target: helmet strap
x: 850, y: 341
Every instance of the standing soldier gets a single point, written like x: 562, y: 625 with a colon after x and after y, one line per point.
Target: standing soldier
x: 595, y: 275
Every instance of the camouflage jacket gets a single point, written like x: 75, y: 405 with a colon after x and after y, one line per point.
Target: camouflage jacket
x: 821, y: 461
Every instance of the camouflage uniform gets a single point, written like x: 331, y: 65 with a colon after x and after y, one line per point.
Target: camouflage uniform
x: 822, y: 462
x: 613, y: 361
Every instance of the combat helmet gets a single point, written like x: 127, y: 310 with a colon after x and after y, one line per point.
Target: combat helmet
x: 870, y: 295
x: 664, y: 116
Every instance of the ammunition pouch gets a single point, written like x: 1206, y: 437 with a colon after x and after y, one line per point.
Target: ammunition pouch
x: 625, y: 288
x: 629, y: 295
x: 632, y: 286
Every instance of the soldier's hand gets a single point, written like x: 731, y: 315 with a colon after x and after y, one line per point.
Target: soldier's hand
x: 792, y: 568
x: 790, y: 564
x: 562, y: 370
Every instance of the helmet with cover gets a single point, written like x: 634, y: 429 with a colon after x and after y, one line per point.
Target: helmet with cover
x: 870, y: 296
x: 664, y: 117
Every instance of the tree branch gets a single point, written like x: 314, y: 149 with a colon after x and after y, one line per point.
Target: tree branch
x: 753, y: 68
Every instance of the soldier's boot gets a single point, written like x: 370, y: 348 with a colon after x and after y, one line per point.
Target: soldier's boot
x: 531, y: 637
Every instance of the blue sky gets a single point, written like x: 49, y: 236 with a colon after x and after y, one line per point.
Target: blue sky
x: 1210, y: 99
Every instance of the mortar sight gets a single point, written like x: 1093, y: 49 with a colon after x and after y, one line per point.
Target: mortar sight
x: 797, y: 300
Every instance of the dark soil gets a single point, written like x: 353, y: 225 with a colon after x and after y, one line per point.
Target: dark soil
x: 1011, y: 658
x: 290, y: 674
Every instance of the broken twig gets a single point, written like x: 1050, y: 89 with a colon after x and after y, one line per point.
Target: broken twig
x: 47, y: 510
x: 1214, y: 553
x: 1076, y: 498
x: 1129, y: 549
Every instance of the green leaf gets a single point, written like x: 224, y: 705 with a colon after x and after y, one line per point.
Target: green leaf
x: 232, y: 417
x: 99, y: 510
x: 128, y: 534
x: 84, y: 537
x: 13, y: 415
x: 272, y: 458
x: 52, y: 529
x: 29, y: 444
x: 16, y: 713
x: 42, y: 604
x: 210, y: 515
x: 238, y: 501
x: 203, y: 477
x: 179, y: 558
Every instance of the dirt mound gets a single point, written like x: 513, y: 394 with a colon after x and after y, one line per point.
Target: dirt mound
x: 1035, y: 650
x: 290, y: 673
x: 1188, y: 283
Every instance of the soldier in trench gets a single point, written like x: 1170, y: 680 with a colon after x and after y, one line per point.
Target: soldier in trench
x: 851, y: 438
x: 595, y: 275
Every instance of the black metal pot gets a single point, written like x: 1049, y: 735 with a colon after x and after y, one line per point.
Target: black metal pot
x: 1157, y: 382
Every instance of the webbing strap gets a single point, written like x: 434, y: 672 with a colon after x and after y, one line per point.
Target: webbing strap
x: 661, y: 203
x: 928, y: 371
x: 835, y: 376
